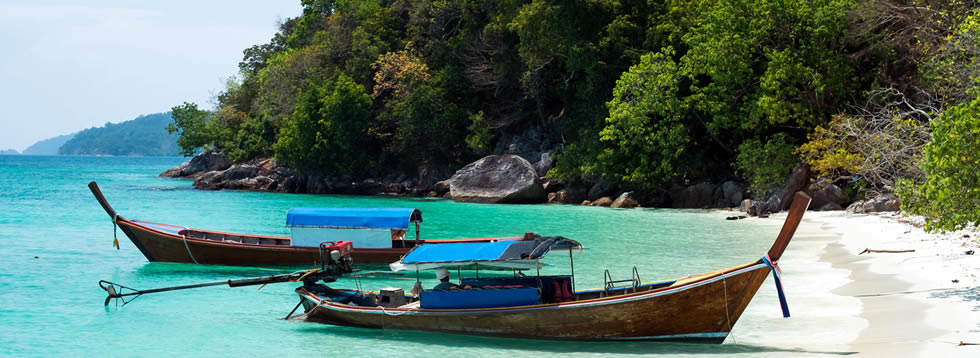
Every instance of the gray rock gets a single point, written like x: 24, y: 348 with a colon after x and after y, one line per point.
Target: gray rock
x: 497, y: 179
x: 757, y: 208
x: 695, y: 196
x: 653, y: 198
x: 879, y: 203
x: 603, y: 201
x: 773, y: 205
x: 831, y: 207
x: 601, y: 188
x: 550, y: 186
x: 797, y: 181
x: 625, y: 201
x: 824, y: 192
x: 205, y: 162
x: 441, y: 187
x: 544, y: 164
x: 732, y: 192
x: 744, y: 205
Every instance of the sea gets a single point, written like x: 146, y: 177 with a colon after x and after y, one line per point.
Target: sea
x: 56, y: 245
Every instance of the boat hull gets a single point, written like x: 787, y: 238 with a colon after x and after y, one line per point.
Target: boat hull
x: 703, y: 310
x: 162, y: 246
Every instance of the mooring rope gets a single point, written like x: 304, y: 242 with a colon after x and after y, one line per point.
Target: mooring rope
x: 184, y: 236
x: 728, y: 319
x: 115, y: 239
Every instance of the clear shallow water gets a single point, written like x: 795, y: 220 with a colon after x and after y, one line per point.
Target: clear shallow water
x: 56, y: 244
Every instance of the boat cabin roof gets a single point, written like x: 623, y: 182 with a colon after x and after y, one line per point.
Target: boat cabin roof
x: 380, y: 218
x: 516, y: 254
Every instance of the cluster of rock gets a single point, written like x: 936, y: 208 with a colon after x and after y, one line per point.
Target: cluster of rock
x: 512, y: 178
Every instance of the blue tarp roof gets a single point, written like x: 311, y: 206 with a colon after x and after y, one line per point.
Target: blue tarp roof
x: 520, y: 254
x: 382, y: 218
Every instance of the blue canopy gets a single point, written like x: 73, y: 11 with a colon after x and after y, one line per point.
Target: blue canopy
x: 382, y: 218
x: 519, y: 254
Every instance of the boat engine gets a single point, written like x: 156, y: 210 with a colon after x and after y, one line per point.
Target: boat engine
x: 336, y: 260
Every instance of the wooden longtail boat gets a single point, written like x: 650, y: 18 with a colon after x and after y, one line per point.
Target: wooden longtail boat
x: 170, y: 243
x: 699, y: 308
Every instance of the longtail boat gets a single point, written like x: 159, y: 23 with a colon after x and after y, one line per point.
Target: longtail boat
x: 698, y: 308
x: 378, y: 236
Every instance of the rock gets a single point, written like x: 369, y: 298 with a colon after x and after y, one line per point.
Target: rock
x: 773, y: 205
x: 497, y: 179
x: 601, y: 188
x: 653, y: 198
x: 797, y: 181
x: 625, y: 201
x: 744, y: 205
x: 544, y: 164
x: 732, y: 192
x: 603, y: 201
x: 757, y: 208
x: 552, y: 198
x: 586, y: 203
x: 205, y: 162
x: 831, y: 207
x: 441, y: 187
x: 879, y: 203
x: 695, y: 196
x: 824, y: 192
x: 550, y: 186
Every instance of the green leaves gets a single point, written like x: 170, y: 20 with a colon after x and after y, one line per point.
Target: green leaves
x: 950, y: 196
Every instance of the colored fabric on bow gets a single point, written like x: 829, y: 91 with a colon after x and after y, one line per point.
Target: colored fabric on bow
x: 776, y: 274
x: 115, y: 240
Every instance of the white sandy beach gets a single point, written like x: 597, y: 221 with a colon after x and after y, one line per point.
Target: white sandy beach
x: 921, y: 303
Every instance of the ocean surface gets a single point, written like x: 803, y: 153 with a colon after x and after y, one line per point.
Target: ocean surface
x: 56, y: 244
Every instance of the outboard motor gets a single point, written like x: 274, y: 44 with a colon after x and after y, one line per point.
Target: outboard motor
x: 336, y: 258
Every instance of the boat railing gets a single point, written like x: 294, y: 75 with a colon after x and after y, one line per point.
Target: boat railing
x: 610, y: 284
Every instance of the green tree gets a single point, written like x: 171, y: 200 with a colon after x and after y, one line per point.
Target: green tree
x: 765, y: 166
x: 949, y: 197
x: 327, y: 129
x: 195, y: 127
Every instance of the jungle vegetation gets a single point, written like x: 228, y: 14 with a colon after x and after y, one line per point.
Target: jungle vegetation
x: 645, y: 93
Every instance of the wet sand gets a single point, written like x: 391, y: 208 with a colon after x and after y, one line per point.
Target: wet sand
x: 912, y: 304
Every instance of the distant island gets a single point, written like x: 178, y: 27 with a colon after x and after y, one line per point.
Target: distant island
x: 144, y: 136
x: 8, y: 152
x: 48, y: 146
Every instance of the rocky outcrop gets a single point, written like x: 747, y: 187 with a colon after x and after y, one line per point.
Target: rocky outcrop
x: 625, y: 201
x: 602, y: 187
x: 544, y: 164
x: 879, y: 203
x: 797, y: 181
x: 497, y: 179
x: 603, y: 201
x: 825, y: 195
x: 696, y: 196
x: 202, y: 163
x: 732, y: 193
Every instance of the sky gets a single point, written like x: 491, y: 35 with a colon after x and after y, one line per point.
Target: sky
x: 71, y: 65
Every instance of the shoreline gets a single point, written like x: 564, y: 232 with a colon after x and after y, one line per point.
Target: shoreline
x: 875, y: 304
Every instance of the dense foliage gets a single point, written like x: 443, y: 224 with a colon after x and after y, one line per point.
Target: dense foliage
x: 143, y: 136
x: 643, y: 93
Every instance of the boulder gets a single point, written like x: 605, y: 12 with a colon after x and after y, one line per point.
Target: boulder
x: 544, y: 164
x: 887, y: 202
x: 205, y: 162
x: 625, y: 201
x: 773, y: 205
x: 603, y: 201
x: 744, y: 205
x: 497, y: 179
x: 601, y: 188
x: 732, y: 192
x: 586, y: 203
x: 824, y: 192
x: 441, y: 187
x: 695, y: 196
x: 757, y: 208
x: 797, y: 181
x: 652, y: 198
x: 563, y: 197
x: 831, y: 207
x: 550, y: 186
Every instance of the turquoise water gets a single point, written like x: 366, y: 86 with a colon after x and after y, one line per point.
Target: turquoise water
x: 56, y: 244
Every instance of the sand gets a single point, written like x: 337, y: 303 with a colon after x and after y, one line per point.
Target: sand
x: 921, y: 303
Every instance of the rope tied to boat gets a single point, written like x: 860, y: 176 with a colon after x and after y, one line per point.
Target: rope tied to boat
x: 115, y: 239
x: 776, y: 275
x: 184, y: 236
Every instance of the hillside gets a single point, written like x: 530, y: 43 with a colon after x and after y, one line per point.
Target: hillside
x: 8, y: 152
x: 48, y: 146
x: 144, y: 136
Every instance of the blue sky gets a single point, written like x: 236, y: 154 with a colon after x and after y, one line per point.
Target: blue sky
x: 70, y: 65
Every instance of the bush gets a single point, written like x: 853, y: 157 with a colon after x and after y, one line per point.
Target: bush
x: 950, y: 195
x: 765, y: 166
